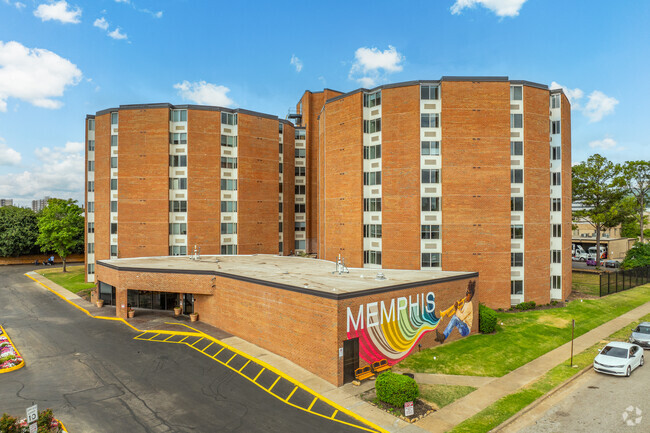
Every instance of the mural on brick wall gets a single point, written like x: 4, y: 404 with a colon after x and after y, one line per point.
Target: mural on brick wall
x: 391, y: 330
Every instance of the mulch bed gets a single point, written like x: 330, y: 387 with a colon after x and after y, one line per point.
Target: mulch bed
x: 420, y: 407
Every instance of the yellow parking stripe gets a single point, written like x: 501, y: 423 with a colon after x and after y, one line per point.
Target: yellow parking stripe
x: 312, y: 404
x: 334, y: 414
x: 234, y: 354
x: 184, y: 339
x: 206, y: 347
x: 276, y: 381
x: 215, y: 355
x: 258, y: 374
x: 170, y: 336
x: 247, y: 362
x: 294, y: 390
x: 196, y: 342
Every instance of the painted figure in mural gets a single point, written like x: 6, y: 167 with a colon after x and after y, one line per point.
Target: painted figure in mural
x: 463, y: 314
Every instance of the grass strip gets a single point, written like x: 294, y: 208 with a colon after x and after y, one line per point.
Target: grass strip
x: 73, y: 280
x: 442, y: 395
x: 588, y: 284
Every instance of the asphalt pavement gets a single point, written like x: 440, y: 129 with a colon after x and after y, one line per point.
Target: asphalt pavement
x: 98, y: 378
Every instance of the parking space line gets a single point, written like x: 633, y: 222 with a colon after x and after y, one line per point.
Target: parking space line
x: 290, y: 395
x: 170, y: 336
x: 334, y: 414
x: 258, y: 375
x: 206, y: 347
x: 184, y: 338
x: 312, y: 404
x: 247, y: 362
x: 215, y: 355
x: 231, y: 358
x: 196, y: 341
x: 276, y: 381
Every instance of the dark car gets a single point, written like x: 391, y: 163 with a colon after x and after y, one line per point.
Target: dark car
x: 612, y: 264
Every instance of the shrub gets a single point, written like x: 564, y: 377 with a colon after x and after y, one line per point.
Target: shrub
x: 526, y: 305
x: 638, y: 255
x: 396, y: 389
x: 487, y: 319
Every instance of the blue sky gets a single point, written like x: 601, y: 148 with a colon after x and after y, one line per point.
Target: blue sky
x: 61, y: 60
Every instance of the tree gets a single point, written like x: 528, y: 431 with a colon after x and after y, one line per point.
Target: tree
x: 61, y: 228
x: 18, y: 231
x: 636, y: 175
x: 638, y: 255
x: 599, y: 187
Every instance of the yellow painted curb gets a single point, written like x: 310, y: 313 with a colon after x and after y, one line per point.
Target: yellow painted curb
x: 62, y: 426
x: 15, y: 367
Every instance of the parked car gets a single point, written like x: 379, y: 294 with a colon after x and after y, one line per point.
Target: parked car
x: 592, y: 252
x: 619, y: 358
x: 581, y: 256
x: 591, y: 262
x: 612, y: 264
x: 641, y: 335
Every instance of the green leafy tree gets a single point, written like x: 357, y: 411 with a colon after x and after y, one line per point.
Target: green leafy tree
x: 18, y: 231
x: 636, y: 175
x: 638, y: 255
x: 61, y: 228
x: 630, y: 228
x: 599, y: 187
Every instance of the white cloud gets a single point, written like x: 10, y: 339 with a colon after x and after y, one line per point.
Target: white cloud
x: 158, y: 14
x: 605, y: 144
x: 101, y: 23
x: 599, y: 105
x: 371, y: 65
x: 122, y: 1
x: 34, y: 75
x: 16, y: 4
x: 58, y: 11
x: 204, y: 93
x: 502, y: 8
x: 8, y: 156
x: 574, y: 95
x: 116, y: 34
x: 296, y: 62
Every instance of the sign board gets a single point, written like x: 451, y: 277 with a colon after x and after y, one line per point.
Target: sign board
x: 340, y: 352
x: 408, y: 408
x: 32, y: 414
x: 33, y: 428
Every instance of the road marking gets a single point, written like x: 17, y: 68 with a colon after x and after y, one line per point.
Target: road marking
x: 215, y: 355
x: 312, y: 404
x: 276, y: 381
x: 334, y: 414
x: 258, y: 374
x: 294, y: 390
x: 247, y: 362
x: 206, y: 347
x: 228, y: 362
x: 196, y: 341
x: 171, y: 335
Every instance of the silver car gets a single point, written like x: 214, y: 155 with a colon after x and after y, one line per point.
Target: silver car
x: 641, y: 335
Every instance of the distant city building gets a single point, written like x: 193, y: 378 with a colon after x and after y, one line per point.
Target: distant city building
x: 6, y: 202
x: 39, y: 205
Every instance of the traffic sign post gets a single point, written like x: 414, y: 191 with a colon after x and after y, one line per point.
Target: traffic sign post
x: 408, y: 408
x: 32, y: 418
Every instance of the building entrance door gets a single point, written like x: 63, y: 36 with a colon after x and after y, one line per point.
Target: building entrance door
x: 350, y: 359
x: 188, y: 303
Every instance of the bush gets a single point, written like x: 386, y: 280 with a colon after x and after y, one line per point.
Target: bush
x: 396, y: 389
x: 526, y: 305
x: 487, y: 319
x: 638, y: 255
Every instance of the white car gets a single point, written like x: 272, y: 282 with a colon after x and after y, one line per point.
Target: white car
x: 618, y: 358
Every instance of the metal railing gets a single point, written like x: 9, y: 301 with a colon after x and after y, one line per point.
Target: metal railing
x: 614, y: 282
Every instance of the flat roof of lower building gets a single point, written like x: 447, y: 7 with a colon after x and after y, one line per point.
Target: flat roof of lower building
x: 307, y: 275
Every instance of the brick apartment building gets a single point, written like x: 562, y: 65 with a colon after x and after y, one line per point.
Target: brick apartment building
x: 467, y: 174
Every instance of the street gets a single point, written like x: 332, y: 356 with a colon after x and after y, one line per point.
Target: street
x: 97, y: 378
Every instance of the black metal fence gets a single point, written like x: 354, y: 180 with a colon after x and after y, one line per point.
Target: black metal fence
x: 614, y: 282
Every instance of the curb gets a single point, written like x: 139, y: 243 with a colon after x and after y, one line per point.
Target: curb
x: 540, y: 400
x: 15, y: 367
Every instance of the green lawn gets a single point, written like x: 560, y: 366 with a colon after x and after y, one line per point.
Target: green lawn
x: 442, y: 395
x: 522, y: 337
x: 72, y: 280
x: 588, y: 284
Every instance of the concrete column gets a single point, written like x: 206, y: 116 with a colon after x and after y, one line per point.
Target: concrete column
x: 120, y: 302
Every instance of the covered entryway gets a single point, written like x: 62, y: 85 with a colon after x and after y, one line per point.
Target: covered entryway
x: 350, y: 359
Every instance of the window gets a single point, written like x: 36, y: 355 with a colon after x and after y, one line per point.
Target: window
x: 516, y: 204
x: 372, y: 204
x: 556, y: 153
x: 114, y: 118
x: 280, y: 207
x: 555, y: 101
x: 300, y: 226
x: 280, y: 187
x: 372, y: 178
x: 91, y: 145
x: 300, y: 208
x: 300, y: 134
x: 430, y: 175
x: 91, y: 124
x: 228, y: 206
x: 430, y: 148
x: 280, y: 144
x: 228, y: 118
x: 90, y: 248
x: 430, y: 260
x: 556, y: 204
x: 557, y: 230
x: 516, y: 259
x: 178, y: 138
x: 91, y: 227
x: 556, y: 256
x: 113, y: 250
x: 178, y: 160
x: 301, y: 189
x: 113, y: 140
x: 113, y: 206
x: 372, y: 230
x: 177, y: 183
x: 372, y: 257
x: 179, y: 115
x: 178, y: 206
x: 91, y: 268
x: 113, y: 184
x: 556, y: 179
x: 300, y: 244
x: 516, y: 175
x: 430, y: 204
x: 280, y: 167
x: 177, y: 250
x: 516, y: 148
x: 516, y: 232
x: 429, y: 120
x: 91, y: 165
x: 229, y: 140
x: 372, y: 152
x: 555, y: 127
x: 280, y: 128
x: 372, y: 99
x: 300, y: 171
x: 429, y: 92
x: 91, y: 207
x: 430, y: 232
x: 370, y: 126
x: 91, y: 186
x: 228, y: 184
x: 301, y: 153
x: 556, y: 282
x: 280, y: 227
x: 227, y: 162
x: 516, y: 93
x: 178, y: 229
x: 516, y: 121
x: 230, y: 250
x: 228, y: 228
x: 113, y: 161
x: 516, y: 287
x: 113, y: 228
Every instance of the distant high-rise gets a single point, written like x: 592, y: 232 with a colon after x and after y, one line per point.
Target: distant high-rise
x: 6, y: 202
x: 39, y: 205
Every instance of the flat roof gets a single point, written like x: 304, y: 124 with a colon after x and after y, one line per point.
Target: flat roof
x: 305, y: 275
